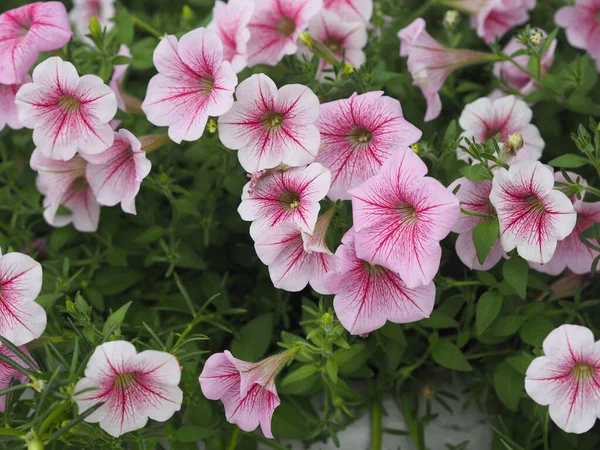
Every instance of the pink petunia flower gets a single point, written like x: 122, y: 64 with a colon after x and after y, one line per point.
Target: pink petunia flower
x: 247, y: 390
x: 358, y: 136
x: 275, y: 27
x: 430, y: 63
x: 290, y: 196
x: 117, y: 77
x: 352, y: 10
x: 115, y: 175
x: 294, y: 259
x: 567, y: 378
x: 230, y: 22
x: 367, y: 295
x: 67, y: 112
x: 533, y: 215
x: 269, y: 126
x: 474, y: 196
x: 64, y: 183
x: 27, y: 31
x: 8, y: 373
x: 133, y: 386
x: 193, y: 83
x: 515, y: 78
x: 9, y: 115
x: 21, y: 319
x: 84, y: 10
x: 485, y: 118
x: 581, y: 26
x: 400, y: 215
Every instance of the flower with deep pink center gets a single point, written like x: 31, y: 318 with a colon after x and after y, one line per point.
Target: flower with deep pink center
x: 275, y: 27
x: 67, y: 112
x: 9, y: 115
x: 430, y: 63
x: 290, y: 196
x: 400, y: 216
x: 133, y: 387
x: 64, y: 183
x: 230, y: 21
x: 474, y: 196
x: 193, y: 83
x: 366, y: 295
x: 485, y: 118
x: 9, y: 373
x: 84, y: 10
x: 533, y: 215
x: 246, y: 389
x: 352, y: 10
x: 269, y: 126
x: 582, y: 26
x: 21, y: 319
x: 567, y: 378
x: 27, y: 31
x: 358, y: 136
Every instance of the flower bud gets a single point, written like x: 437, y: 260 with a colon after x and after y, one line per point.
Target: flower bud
x: 416, y: 148
x: 211, y: 126
x: 188, y: 13
x: 451, y: 19
x: 512, y: 145
x: 536, y: 38
x: 38, y: 385
x: 153, y: 142
x: 35, y: 445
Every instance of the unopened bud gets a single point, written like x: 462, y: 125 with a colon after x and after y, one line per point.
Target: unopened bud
x: 188, y: 13
x: 451, y: 19
x: 35, y: 445
x: 536, y: 38
x: 153, y: 142
x: 327, y: 319
x: 211, y: 126
x: 416, y: 148
x: 427, y: 391
x: 512, y: 145
x: 95, y: 28
x: 307, y: 39
x: 38, y: 385
x: 347, y: 70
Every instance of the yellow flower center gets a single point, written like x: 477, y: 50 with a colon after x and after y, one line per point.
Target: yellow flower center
x: 407, y: 213
x: 69, y: 103
x: 286, y: 26
x: 583, y: 371
x: 124, y: 380
x: 360, y: 136
x: 272, y: 120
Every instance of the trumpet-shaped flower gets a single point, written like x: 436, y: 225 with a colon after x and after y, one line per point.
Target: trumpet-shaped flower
x: 21, y: 319
x: 275, y: 27
x: 27, y: 31
x: 9, y: 115
x: 67, y: 112
x: 117, y: 77
x: 400, y: 215
x: 269, y: 126
x: 567, y: 378
x: 133, y: 387
x: 9, y: 373
x: 84, y: 10
x: 367, y: 295
x: 193, y: 83
x: 581, y: 25
x: 352, y: 10
x: 230, y: 22
x: 358, y: 136
x: 533, y: 215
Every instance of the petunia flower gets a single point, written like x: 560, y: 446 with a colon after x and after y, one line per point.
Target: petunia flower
x: 485, y: 118
x: 581, y: 25
x: 84, y: 10
x: 9, y: 115
x: 64, y: 183
x: 400, y: 215
x: 9, y: 373
x: 290, y: 196
x: 133, y: 386
x: 533, y: 215
x: 116, y: 174
x: 430, y: 63
x: 359, y: 134
x: 230, y: 22
x: 515, y: 78
x: 352, y: 10
x: 269, y: 126
x: 21, y: 319
x: 567, y: 378
x: 275, y: 27
x: 66, y: 112
x: 293, y: 258
x: 25, y: 32
x: 117, y: 77
x: 366, y: 295
x: 193, y: 83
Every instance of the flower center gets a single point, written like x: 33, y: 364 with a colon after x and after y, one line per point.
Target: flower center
x: 286, y: 26
x: 535, y: 205
x: 373, y: 269
x: 583, y: 371
x: 272, y: 120
x: 25, y: 26
x: 333, y: 44
x: 80, y: 184
x: 492, y: 132
x: 124, y: 380
x: 407, y: 213
x: 289, y: 200
x: 206, y: 84
x: 69, y: 103
x: 360, y: 136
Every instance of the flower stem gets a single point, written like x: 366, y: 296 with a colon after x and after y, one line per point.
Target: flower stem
x: 58, y: 412
x: 144, y: 26
x: 376, y: 426
x: 234, y: 438
x: 8, y: 431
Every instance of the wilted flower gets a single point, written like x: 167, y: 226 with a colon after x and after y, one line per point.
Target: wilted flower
x: 8, y: 373
x: 581, y: 26
x: 84, y: 10
x: 352, y: 10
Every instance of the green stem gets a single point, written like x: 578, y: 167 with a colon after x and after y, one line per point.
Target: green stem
x: 234, y: 438
x: 423, y: 9
x: 188, y: 330
x: 590, y: 189
x: 53, y: 417
x: 144, y: 26
x: 464, y: 283
x: 376, y: 426
x: 8, y: 431
x: 475, y: 214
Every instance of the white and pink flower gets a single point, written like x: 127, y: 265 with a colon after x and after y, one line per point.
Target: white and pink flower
x: 567, y: 378
x: 269, y: 126
x: 358, y: 136
x: 400, y: 216
x: 21, y: 319
x: 9, y: 373
x: 66, y: 112
x: 27, y: 31
x: 133, y: 387
x: 366, y: 295
x: 9, y: 115
x: 533, y: 215
x: 230, y: 22
x: 193, y: 83
x: 351, y: 10
x: 84, y: 10
x: 275, y: 27
x: 581, y: 25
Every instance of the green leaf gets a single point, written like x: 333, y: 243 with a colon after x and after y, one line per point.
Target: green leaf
x: 253, y: 339
x: 448, y: 355
x: 115, y: 320
x: 351, y: 360
x: 508, y: 384
x: 114, y: 280
x: 516, y: 271
x: 485, y: 235
x: 438, y: 320
x: 535, y: 330
x: 299, y: 374
x: 289, y: 423
x: 488, y: 307
x: 150, y: 235
x: 193, y: 433
x: 332, y: 369
x: 520, y: 362
x: 569, y: 161
x: 475, y: 173
x: 509, y: 325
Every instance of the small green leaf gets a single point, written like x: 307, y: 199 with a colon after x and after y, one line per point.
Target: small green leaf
x: 508, y: 384
x: 509, y: 325
x: 488, y: 307
x: 516, y: 271
x: 475, y: 173
x: 253, y: 339
x: 485, y: 235
x: 152, y: 234
x: 569, y: 161
x: 332, y: 369
x: 115, y: 320
x: 299, y: 374
x: 535, y: 330
x: 193, y: 433
x: 438, y: 320
x: 448, y: 355
x: 114, y: 280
